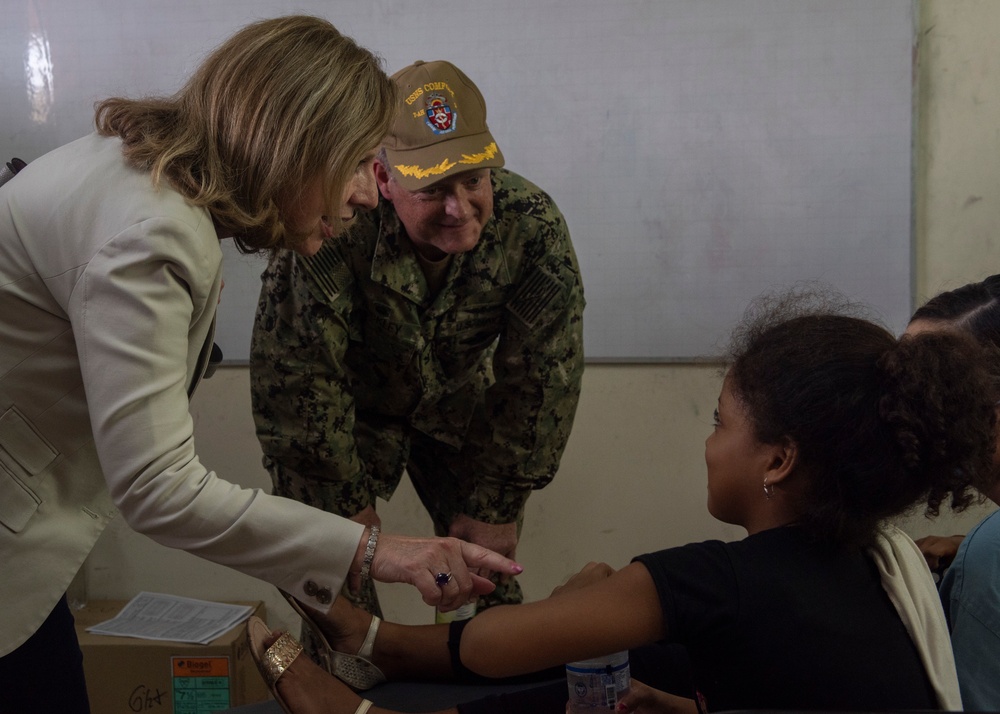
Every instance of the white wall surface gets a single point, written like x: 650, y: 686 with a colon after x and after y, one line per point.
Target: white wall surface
x: 632, y: 479
x: 701, y: 150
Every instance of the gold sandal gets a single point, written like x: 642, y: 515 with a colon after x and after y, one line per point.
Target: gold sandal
x: 356, y: 670
x: 272, y: 662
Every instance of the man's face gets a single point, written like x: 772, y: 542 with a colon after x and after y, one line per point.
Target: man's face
x: 444, y: 218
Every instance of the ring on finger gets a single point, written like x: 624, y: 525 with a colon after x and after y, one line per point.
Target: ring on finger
x: 442, y: 579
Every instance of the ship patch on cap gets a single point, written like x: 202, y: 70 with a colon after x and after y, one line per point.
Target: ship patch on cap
x: 439, y: 115
x: 440, y: 128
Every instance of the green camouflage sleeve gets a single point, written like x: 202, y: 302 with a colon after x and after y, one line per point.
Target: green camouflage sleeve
x: 303, y: 413
x: 518, y: 439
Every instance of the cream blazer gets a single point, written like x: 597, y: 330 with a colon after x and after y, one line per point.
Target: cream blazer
x: 108, y: 294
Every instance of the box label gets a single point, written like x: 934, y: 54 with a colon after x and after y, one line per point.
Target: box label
x: 200, y: 684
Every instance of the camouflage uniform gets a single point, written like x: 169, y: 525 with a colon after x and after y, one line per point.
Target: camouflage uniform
x: 358, y: 372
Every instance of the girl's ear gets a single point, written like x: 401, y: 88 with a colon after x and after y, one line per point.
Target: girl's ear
x: 784, y: 459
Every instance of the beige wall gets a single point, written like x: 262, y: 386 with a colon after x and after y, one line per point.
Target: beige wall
x: 632, y: 478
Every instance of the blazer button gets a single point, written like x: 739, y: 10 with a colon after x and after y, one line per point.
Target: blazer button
x: 324, y: 596
x: 310, y: 588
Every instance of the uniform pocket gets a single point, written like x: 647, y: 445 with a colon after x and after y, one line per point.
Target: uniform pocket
x: 473, y: 327
x: 388, y: 335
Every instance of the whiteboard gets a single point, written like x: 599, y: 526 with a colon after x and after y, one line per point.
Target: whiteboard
x: 702, y: 151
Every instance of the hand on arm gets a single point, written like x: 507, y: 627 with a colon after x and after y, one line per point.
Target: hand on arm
x: 939, y: 551
x: 590, y: 573
x: 642, y: 699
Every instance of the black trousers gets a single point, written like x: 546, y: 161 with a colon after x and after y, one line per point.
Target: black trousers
x: 45, y: 674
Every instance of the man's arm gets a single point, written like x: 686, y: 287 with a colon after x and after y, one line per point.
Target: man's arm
x: 303, y: 408
x: 516, y: 442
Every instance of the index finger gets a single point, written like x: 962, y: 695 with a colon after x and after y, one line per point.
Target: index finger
x: 478, y: 558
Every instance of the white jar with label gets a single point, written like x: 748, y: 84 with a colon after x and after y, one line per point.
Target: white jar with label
x: 597, y: 684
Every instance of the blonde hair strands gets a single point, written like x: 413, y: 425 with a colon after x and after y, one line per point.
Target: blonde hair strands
x: 277, y: 104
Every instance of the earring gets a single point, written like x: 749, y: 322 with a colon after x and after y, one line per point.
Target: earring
x: 768, y: 490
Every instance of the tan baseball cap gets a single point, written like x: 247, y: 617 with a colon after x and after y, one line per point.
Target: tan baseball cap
x: 441, y: 126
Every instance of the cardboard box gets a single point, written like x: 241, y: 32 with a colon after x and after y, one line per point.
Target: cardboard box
x: 127, y: 675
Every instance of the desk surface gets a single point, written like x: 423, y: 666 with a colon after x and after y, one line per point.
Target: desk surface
x: 412, y: 697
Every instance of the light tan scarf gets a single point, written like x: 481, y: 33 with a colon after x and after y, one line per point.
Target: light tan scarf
x: 907, y: 580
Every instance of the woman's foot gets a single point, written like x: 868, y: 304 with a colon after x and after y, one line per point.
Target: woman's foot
x: 345, y: 641
x: 307, y: 689
x: 344, y: 625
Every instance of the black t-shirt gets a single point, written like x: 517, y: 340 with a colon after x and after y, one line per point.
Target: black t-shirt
x: 775, y: 622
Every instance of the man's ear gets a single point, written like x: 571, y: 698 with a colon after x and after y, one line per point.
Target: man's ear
x: 383, y: 179
x: 784, y: 460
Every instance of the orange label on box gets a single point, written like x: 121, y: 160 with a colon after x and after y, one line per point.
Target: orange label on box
x: 201, y: 684
x: 200, y: 666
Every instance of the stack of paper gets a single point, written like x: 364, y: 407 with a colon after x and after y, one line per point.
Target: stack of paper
x: 154, y: 616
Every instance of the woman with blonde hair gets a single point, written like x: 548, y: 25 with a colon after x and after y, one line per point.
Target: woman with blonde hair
x: 110, y: 275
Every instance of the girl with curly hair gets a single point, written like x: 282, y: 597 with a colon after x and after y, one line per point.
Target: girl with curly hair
x: 827, y: 427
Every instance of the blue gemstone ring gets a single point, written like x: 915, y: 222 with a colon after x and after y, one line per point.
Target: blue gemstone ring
x: 442, y: 579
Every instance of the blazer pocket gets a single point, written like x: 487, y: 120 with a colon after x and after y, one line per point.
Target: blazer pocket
x: 17, y: 503
x: 21, y: 445
x: 24, y: 453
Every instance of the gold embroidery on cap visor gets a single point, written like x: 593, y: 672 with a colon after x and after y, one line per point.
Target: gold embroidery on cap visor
x: 489, y: 151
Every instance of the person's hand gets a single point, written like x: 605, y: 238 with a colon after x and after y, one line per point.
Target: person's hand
x: 402, y: 559
x: 939, y: 551
x: 500, y: 538
x: 642, y: 699
x: 590, y: 573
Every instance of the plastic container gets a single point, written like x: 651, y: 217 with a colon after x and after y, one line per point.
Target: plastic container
x: 597, y: 684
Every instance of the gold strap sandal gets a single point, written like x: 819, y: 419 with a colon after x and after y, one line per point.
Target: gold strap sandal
x: 356, y: 670
x: 274, y: 660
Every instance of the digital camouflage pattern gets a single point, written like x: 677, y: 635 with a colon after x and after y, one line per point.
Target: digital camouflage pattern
x: 358, y: 372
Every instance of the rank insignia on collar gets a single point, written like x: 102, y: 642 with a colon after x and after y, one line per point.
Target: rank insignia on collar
x: 440, y: 117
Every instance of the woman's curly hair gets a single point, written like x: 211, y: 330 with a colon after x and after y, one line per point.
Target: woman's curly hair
x: 881, y: 424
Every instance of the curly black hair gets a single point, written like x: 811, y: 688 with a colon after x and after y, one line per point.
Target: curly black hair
x: 881, y: 424
x: 972, y: 308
